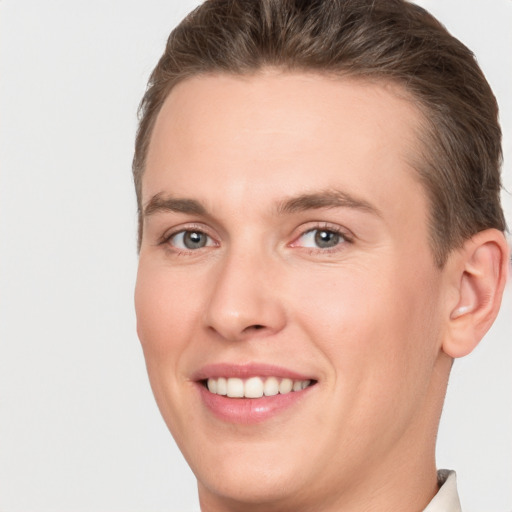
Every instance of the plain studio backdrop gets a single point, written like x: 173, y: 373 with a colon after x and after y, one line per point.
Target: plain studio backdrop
x: 79, y: 429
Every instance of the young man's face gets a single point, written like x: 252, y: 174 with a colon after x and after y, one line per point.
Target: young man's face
x: 286, y: 238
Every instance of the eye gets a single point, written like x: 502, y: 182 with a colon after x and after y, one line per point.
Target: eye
x: 320, y: 239
x: 189, y: 240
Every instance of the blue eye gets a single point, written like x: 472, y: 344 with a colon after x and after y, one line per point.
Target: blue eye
x: 321, y: 239
x: 190, y: 240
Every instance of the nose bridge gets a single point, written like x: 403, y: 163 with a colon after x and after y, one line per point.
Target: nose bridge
x: 242, y: 298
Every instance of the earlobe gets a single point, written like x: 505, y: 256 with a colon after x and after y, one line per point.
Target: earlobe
x: 480, y: 273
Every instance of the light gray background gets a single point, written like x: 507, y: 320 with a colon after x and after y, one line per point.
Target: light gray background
x: 79, y: 430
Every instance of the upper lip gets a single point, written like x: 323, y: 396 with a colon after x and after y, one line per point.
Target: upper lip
x: 244, y: 371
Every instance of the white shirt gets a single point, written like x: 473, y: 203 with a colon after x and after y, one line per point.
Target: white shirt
x: 447, y: 498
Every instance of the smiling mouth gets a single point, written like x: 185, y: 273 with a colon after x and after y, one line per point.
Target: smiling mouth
x: 255, y: 387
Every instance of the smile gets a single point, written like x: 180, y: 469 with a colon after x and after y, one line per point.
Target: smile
x: 251, y: 393
x: 254, y: 387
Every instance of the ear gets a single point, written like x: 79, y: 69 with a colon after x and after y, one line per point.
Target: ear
x: 478, y: 273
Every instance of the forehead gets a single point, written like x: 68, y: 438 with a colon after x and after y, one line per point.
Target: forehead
x: 237, y: 134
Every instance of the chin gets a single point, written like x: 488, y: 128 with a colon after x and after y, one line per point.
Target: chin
x: 251, y: 473
x: 263, y: 488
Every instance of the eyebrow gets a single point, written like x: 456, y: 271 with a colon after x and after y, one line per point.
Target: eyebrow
x: 158, y: 203
x: 326, y: 199
x: 312, y: 201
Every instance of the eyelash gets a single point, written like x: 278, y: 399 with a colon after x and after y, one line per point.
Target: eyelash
x: 168, y: 236
x: 345, y: 237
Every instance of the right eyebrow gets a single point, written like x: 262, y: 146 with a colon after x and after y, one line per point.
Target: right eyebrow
x: 158, y: 203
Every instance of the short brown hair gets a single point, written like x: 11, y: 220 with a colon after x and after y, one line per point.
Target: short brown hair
x: 393, y: 40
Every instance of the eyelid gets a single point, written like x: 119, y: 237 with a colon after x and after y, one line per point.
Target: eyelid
x: 346, y: 234
x: 194, y: 227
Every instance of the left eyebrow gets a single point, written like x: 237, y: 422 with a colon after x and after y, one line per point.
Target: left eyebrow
x: 159, y: 203
x: 325, y: 199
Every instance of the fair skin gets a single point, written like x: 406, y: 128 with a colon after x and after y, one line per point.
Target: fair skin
x: 286, y: 235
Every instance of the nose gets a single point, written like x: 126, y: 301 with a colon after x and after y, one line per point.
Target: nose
x: 245, y: 298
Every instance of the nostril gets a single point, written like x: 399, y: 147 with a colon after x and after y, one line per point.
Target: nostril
x: 252, y: 328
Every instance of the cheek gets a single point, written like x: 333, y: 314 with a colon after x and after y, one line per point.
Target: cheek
x: 165, y: 325
x: 373, y: 327
x: 165, y: 314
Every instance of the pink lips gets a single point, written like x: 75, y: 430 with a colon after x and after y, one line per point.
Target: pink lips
x: 248, y: 410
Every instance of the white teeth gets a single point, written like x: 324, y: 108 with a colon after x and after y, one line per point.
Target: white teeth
x: 222, y: 386
x: 254, y: 387
x: 286, y: 386
x: 271, y: 387
x: 235, y: 388
x: 212, y: 385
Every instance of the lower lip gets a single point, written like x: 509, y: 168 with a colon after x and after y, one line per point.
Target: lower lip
x: 250, y: 410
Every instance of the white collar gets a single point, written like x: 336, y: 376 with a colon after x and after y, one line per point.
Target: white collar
x: 447, y: 498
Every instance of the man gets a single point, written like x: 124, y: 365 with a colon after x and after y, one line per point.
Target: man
x: 320, y: 236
